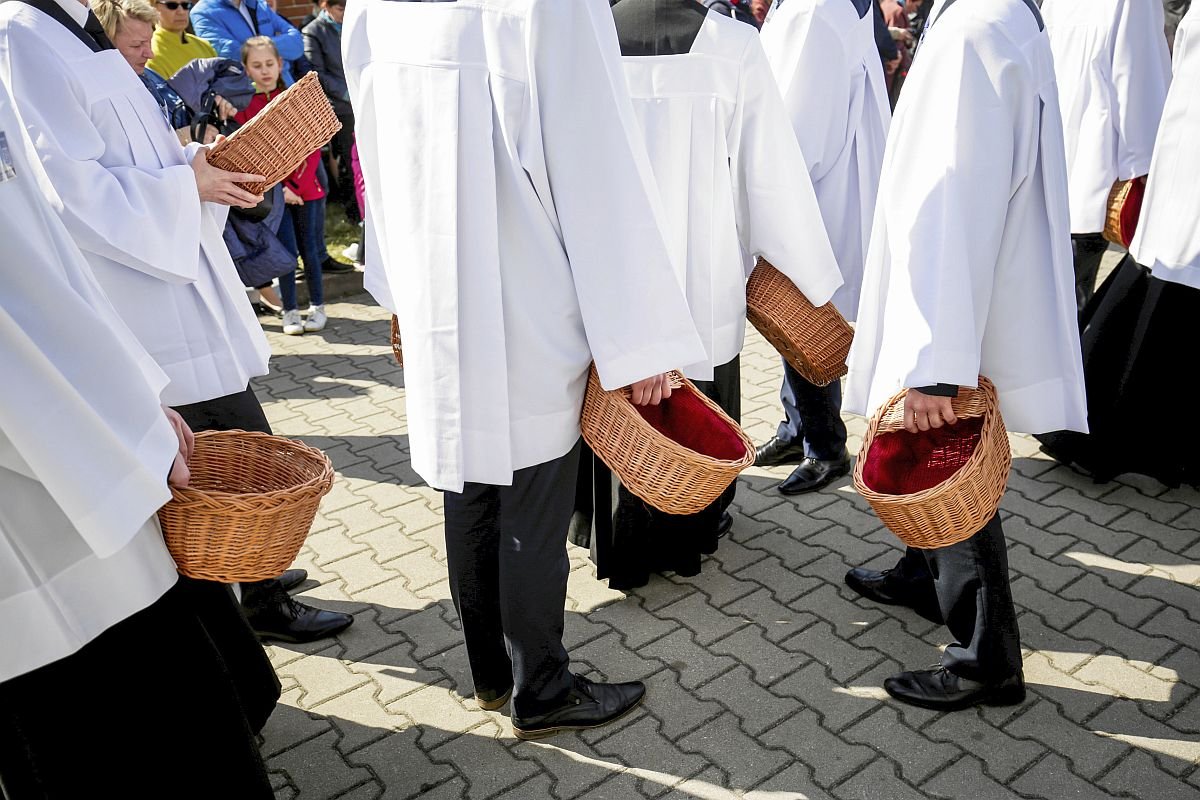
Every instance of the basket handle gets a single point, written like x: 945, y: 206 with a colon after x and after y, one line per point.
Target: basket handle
x: 968, y: 404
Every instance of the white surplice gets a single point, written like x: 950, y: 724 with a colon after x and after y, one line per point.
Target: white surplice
x: 733, y: 183
x: 827, y: 65
x: 1168, y: 233
x: 514, y: 226
x: 122, y: 183
x: 84, y: 446
x: 969, y: 269
x: 1113, y: 69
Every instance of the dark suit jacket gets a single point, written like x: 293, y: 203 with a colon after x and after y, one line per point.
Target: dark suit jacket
x: 323, y: 47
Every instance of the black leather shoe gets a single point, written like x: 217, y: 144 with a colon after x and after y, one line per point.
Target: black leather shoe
x: 333, y: 266
x: 287, y: 620
x: 813, y: 473
x: 777, y: 451
x: 884, y: 587
x: 588, y: 705
x: 725, y: 525
x: 942, y: 690
x: 491, y: 699
x: 292, y: 578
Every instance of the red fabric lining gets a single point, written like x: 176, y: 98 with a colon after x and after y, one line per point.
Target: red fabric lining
x: 900, y: 462
x: 684, y: 418
x: 1131, y: 211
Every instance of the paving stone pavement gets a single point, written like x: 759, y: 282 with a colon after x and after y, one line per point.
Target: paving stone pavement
x: 764, y: 671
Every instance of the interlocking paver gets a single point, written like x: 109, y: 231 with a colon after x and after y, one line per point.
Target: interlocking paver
x: 764, y: 671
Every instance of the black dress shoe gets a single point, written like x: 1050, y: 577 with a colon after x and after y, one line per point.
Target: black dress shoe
x: 777, y: 451
x: 292, y: 578
x: 332, y: 265
x: 884, y: 587
x: 942, y: 690
x: 813, y: 473
x: 287, y: 620
x: 492, y: 699
x: 588, y: 705
x: 725, y: 525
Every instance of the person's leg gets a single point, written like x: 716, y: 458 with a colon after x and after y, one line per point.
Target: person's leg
x: 310, y: 234
x: 825, y: 455
x: 473, y: 561
x: 1089, y: 252
x: 976, y: 601
x: 287, y: 237
x: 534, y: 514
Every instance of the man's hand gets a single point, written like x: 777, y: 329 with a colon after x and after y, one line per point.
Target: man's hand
x: 180, y: 474
x: 925, y: 411
x: 651, y: 391
x: 218, y: 186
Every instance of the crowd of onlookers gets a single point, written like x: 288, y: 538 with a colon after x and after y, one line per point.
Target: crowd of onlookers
x: 211, y: 66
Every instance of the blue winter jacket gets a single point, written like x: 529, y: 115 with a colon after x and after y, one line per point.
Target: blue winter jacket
x: 222, y: 24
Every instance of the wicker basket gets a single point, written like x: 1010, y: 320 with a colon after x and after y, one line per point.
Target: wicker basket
x: 815, y: 341
x: 1124, y: 208
x: 397, y: 347
x: 248, y: 508
x: 945, y: 484
x: 278, y: 139
x: 653, y: 449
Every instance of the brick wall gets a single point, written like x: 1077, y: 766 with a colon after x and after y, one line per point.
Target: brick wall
x: 294, y: 10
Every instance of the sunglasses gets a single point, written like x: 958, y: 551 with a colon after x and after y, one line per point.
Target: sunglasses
x: 172, y: 5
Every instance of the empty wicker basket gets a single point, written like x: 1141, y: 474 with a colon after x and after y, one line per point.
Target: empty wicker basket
x: 938, y: 487
x: 815, y: 341
x: 1124, y: 208
x: 678, y: 456
x: 397, y: 347
x: 281, y: 136
x: 248, y: 508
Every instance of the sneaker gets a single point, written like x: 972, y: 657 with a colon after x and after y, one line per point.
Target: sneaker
x: 316, y: 319
x: 351, y: 253
x: 292, y: 325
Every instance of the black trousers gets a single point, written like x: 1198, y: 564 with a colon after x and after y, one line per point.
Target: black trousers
x: 973, y: 592
x: 107, y: 721
x: 506, y: 549
x: 215, y: 604
x: 1089, y: 250
x: 812, y: 415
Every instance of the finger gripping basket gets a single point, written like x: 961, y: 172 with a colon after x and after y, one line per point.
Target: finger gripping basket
x: 815, y: 341
x: 1124, y: 208
x: 275, y: 142
x: 248, y: 507
x: 397, y: 347
x: 938, y: 487
x: 678, y: 456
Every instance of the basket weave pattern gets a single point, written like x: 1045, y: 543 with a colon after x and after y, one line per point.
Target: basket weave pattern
x: 397, y: 347
x: 815, y: 341
x: 959, y: 507
x: 1121, y: 219
x: 278, y: 139
x: 670, y: 477
x: 248, y: 507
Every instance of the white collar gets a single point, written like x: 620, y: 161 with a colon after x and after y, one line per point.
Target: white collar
x: 75, y: 9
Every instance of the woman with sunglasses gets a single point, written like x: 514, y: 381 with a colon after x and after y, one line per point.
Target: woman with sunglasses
x: 173, y: 46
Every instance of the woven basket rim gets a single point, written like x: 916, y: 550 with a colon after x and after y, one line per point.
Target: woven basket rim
x: 630, y: 411
x: 192, y: 495
x: 289, y: 95
x: 989, y: 423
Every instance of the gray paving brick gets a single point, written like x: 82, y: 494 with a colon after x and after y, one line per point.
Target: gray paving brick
x: 1088, y: 753
x: 1175, y: 752
x: 755, y: 708
x: 916, y: 756
x: 1139, y: 776
x: 318, y: 766
x: 677, y: 709
x: 706, y: 622
x: 843, y: 659
x: 830, y: 758
x: 1100, y: 626
x: 630, y: 616
x: 643, y: 745
x: 1050, y: 575
x: 720, y: 587
x: 776, y: 621
x: 1003, y: 754
x: 691, y: 662
x: 838, y: 607
x: 766, y: 661
x: 1126, y: 608
x: 614, y: 660
x: 1055, y: 608
x: 571, y: 765
x: 792, y: 783
x: 504, y: 770
x: 966, y: 778
x: 879, y: 779
x: 726, y: 744
x: 784, y: 584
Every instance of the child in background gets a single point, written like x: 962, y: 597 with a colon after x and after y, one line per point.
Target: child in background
x: 302, y: 192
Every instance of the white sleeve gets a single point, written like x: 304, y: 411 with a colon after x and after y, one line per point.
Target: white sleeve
x: 777, y: 213
x: 1141, y: 72
x: 634, y: 312
x: 944, y: 202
